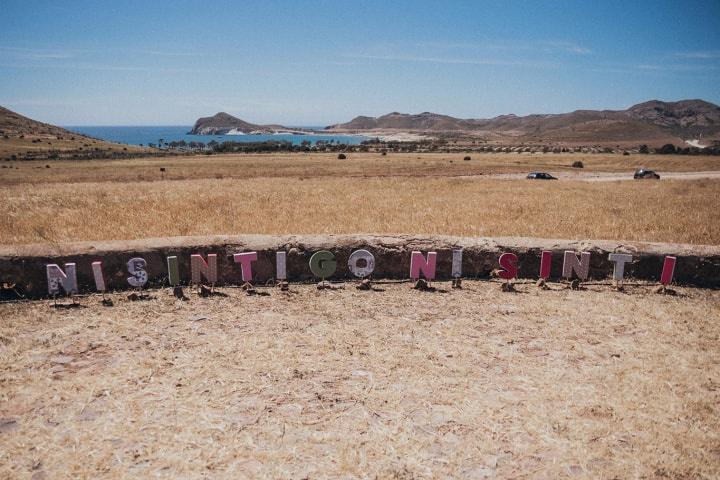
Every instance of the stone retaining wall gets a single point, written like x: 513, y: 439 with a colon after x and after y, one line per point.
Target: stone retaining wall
x: 697, y: 265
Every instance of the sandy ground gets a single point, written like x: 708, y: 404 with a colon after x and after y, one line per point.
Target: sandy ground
x: 471, y: 383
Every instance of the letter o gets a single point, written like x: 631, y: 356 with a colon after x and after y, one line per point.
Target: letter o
x: 355, y: 257
x: 323, y: 264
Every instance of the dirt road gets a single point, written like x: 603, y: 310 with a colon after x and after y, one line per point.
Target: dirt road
x: 609, y: 176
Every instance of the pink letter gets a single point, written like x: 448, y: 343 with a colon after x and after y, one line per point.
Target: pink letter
x: 199, y: 268
x: 99, y: 277
x: 668, y: 270
x: 545, y: 263
x: 580, y: 266
x: 508, y: 262
x: 245, y: 260
x: 418, y: 264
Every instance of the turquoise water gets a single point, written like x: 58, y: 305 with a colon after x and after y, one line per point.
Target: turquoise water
x: 145, y: 135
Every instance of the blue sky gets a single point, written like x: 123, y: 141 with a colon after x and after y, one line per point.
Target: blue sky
x: 317, y: 63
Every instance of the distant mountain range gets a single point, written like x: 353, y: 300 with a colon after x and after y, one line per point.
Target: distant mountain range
x: 651, y: 122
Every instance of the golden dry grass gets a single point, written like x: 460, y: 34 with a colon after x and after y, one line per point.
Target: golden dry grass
x: 665, y: 211
x: 343, y: 384
x: 297, y: 165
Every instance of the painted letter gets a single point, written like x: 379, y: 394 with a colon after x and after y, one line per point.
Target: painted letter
x: 137, y: 268
x: 200, y: 268
x: 99, y: 277
x: 545, y: 264
x: 56, y: 277
x: 620, y: 259
x: 508, y: 263
x: 355, y: 257
x: 280, y: 265
x: 323, y: 264
x: 457, y: 263
x: 245, y: 260
x: 668, y: 270
x: 173, y: 271
x: 581, y: 266
x: 419, y: 264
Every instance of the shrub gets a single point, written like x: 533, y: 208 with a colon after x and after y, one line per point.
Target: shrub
x: 467, y: 159
x: 667, y: 149
x: 577, y: 164
x: 342, y: 156
x: 644, y: 149
x: 626, y: 152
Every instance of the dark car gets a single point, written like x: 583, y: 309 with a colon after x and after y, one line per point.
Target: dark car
x: 540, y: 176
x: 644, y: 173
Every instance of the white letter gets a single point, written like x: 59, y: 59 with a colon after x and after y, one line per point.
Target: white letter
x: 137, y: 268
x: 620, y: 259
x: 56, y: 277
x: 355, y: 257
x: 457, y: 263
x: 280, y: 266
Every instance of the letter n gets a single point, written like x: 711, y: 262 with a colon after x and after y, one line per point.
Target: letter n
x: 200, y: 268
x: 56, y: 277
x: 579, y: 266
x: 419, y: 264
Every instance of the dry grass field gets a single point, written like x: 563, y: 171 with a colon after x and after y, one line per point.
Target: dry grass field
x: 403, y: 384
x: 299, y: 165
x: 127, y: 199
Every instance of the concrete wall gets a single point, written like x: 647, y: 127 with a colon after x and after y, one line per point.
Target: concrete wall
x: 697, y: 265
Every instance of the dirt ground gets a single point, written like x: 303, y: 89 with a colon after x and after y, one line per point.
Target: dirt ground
x: 472, y: 383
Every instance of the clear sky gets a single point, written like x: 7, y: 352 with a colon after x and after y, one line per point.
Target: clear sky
x: 315, y: 63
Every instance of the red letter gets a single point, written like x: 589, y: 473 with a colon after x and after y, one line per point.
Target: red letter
x: 545, y: 263
x: 508, y: 262
x: 668, y: 270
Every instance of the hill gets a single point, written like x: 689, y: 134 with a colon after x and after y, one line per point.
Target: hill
x: 652, y: 122
x: 225, y: 124
x: 27, y: 139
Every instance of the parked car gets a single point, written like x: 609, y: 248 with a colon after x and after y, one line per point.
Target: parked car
x: 540, y: 176
x: 644, y: 173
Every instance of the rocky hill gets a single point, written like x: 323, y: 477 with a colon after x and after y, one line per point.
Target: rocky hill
x: 23, y: 138
x: 13, y: 125
x: 225, y: 124
x: 650, y: 122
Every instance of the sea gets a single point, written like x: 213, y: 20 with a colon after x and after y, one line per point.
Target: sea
x: 146, y: 135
